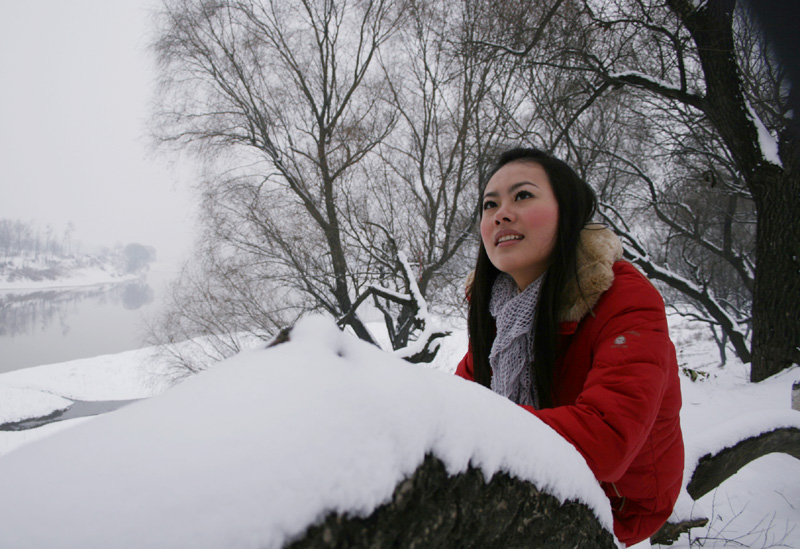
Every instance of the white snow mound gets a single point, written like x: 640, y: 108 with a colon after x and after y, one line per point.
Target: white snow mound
x: 253, y: 451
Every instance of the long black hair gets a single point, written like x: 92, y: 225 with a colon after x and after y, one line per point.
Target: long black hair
x: 576, y: 206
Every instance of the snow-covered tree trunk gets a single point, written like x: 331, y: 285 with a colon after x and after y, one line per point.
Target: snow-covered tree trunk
x: 770, y: 170
x: 711, y: 459
x: 432, y: 509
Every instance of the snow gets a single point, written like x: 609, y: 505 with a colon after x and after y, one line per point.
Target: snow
x: 636, y: 74
x: 758, y: 506
x: 14, y: 439
x: 121, y: 376
x: 725, y: 435
x: 389, y: 292
x: 251, y: 452
x: 766, y: 141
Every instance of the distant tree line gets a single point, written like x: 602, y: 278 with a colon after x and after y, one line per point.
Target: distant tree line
x: 27, y: 242
x: 344, y: 144
x: 26, y: 239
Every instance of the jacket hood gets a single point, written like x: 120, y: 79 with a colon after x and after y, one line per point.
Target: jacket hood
x: 598, y: 249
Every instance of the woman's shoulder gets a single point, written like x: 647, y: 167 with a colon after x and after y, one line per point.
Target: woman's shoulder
x: 627, y: 275
x: 631, y: 289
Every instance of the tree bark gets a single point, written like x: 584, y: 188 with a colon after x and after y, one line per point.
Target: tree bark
x: 671, y: 531
x: 776, y: 297
x: 775, y: 189
x: 432, y: 509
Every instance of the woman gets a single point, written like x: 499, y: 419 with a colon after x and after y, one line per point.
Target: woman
x: 563, y: 327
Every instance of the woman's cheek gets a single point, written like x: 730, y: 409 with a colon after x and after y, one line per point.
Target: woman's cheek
x: 486, y: 232
x: 543, y: 218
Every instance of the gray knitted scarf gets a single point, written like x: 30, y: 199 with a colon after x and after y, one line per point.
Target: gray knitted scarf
x: 514, y: 313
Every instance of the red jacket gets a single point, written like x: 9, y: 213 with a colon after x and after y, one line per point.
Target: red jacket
x: 617, y: 400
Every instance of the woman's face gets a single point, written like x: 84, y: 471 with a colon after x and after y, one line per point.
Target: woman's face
x: 519, y: 221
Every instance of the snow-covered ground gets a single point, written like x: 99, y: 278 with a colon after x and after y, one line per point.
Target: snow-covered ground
x: 265, y: 404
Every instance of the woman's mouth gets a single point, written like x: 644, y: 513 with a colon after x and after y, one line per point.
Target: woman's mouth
x: 508, y: 238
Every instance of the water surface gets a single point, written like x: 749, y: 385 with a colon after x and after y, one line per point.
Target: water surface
x: 55, y: 325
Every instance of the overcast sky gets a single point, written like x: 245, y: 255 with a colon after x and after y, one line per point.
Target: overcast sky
x: 77, y: 83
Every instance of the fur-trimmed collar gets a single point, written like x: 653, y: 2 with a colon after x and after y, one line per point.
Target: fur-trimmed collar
x: 597, y: 251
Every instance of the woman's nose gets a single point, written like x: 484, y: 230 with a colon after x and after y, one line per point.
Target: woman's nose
x: 502, y: 215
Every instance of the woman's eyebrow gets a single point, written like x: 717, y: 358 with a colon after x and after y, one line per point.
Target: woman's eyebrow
x: 513, y: 188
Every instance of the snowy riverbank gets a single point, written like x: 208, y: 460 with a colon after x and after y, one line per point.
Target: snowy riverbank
x: 75, y: 278
x: 28, y: 271
x: 44, y: 390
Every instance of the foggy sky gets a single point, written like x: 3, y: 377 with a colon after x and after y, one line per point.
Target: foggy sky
x: 77, y: 83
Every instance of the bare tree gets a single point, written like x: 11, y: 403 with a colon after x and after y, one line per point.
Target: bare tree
x: 288, y: 90
x: 702, y: 68
x: 348, y: 141
x: 708, y: 66
x: 452, y: 102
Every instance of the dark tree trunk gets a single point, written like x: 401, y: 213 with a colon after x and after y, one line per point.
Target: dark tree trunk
x: 432, y: 509
x: 776, y: 298
x: 775, y: 189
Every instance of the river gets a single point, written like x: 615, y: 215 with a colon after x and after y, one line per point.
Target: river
x: 47, y: 326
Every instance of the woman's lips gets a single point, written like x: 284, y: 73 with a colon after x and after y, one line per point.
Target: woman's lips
x: 507, y: 239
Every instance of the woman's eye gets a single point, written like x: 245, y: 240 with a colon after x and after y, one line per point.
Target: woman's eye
x: 488, y: 204
x: 522, y: 195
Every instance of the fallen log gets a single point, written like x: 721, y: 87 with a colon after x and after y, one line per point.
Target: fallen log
x: 671, y: 531
x: 713, y: 470
x: 432, y: 509
x: 321, y: 441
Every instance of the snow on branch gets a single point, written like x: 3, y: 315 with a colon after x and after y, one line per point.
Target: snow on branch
x: 390, y: 294
x: 656, y: 85
x: 704, y: 450
x: 766, y: 141
x: 427, y: 342
x: 642, y: 78
x: 374, y: 289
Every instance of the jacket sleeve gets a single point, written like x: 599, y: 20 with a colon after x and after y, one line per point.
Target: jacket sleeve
x: 618, y: 404
x: 464, y: 368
